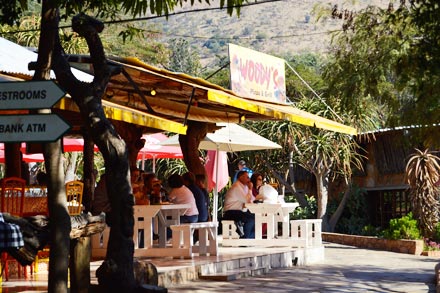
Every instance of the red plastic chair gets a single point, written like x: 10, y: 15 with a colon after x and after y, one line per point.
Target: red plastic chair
x: 12, y: 202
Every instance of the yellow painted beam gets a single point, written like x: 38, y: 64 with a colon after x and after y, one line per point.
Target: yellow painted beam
x: 281, y: 112
x: 129, y: 115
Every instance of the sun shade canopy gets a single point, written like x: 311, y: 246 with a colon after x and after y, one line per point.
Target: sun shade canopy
x: 230, y: 138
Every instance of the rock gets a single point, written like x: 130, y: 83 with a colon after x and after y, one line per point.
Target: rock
x: 145, y: 273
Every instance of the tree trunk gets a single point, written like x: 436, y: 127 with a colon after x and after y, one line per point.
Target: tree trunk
x: 89, y: 172
x: 71, y: 167
x: 189, y: 144
x: 116, y: 273
x: 322, y: 193
x: 57, y: 205
x: 132, y: 135
x: 57, y: 202
x: 12, y: 156
x: 337, y: 214
x: 80, y: 265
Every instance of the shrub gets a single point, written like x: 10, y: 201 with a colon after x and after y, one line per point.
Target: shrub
x: 437, y: 232
x: 430, y: 245
x: 370, y: 230
x: 354, y: 217
x: 403, y: 228
x: 308, y: 212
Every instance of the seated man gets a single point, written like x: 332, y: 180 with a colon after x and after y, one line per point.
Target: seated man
x: 237, y: 196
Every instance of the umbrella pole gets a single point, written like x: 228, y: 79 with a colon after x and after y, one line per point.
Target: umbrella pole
x: 215, y: 203
x: 154, y: 164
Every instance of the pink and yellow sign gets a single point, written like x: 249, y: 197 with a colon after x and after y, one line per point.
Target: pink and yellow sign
x: 257, y: 75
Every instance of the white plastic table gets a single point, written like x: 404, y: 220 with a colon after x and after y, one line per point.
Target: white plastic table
x: 271, y: 214
x: 162, y: 217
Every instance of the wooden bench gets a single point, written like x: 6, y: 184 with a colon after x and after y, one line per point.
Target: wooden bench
x: 183, y: 238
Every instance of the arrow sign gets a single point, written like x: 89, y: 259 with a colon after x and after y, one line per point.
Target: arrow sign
x: 36, y: 128
x: 29, y: 94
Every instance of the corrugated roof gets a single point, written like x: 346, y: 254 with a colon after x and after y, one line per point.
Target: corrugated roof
x: 383, y: 130
x: 15, y: 60
x: 178, y: 97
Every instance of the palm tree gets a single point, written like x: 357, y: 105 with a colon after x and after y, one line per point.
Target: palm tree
x: 423, y: 176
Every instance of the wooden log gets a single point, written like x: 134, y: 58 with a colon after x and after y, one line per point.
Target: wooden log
x: 86, y: 225
x: 36, y: 231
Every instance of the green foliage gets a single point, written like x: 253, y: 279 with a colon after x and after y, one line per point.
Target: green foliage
x: 421, y: 173
x: 403, y: 228
x: 370, y: 230
x: 385, y: 65
x: 140, y: 41
x: 434, y: 242
x: 166, y: 167
x: 183, y: 58
x: 11, y: 10
x: 216, y: 44
x: 309, y: 67
x: 430, y: 245
x: 437, y: 232
x: 354, y: 218
x: 29, y: 35
x: 220, y: 75
x: 308, y: 212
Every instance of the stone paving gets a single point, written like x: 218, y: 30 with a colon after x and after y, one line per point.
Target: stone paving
x: 345, y: 269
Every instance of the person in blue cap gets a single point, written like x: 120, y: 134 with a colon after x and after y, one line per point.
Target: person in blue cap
x: 242, y: 167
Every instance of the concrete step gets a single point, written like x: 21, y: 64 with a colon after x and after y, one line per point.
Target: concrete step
x: 231, y: 275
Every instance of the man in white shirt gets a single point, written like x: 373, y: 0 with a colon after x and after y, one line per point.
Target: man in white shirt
x: 237, y: 196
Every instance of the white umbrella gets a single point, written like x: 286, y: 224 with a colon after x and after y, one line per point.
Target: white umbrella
x: 230, y: 138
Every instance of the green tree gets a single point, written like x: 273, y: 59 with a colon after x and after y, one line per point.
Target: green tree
x: 116, y: 273
x: 386, y: 64
x: 327, y: 155
x: 183, y: 58
x: 385, y: 60
x: 28, y: 35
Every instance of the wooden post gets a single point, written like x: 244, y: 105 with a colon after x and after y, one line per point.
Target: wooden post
x: 80, y: 255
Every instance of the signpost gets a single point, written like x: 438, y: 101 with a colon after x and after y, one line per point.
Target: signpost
x: 29, y: 94
x: 32, y: 128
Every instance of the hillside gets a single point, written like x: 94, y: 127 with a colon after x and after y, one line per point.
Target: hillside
x: 280, y: 28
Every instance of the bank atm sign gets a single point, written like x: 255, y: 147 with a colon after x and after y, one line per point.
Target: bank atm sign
x: 29, y: 127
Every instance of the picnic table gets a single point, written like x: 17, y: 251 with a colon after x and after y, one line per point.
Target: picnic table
x: 156, y: 218
x: 293, y: 232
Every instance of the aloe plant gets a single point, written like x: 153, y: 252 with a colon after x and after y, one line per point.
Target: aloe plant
x: 423, y: 175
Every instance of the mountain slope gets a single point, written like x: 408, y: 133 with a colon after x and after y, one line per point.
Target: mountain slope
x: 280, y: 28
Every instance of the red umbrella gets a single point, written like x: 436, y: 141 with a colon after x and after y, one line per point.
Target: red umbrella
x: 28, y: 158
x: 75, y: 145
x: 69, y: 145
x: 153, y: 150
